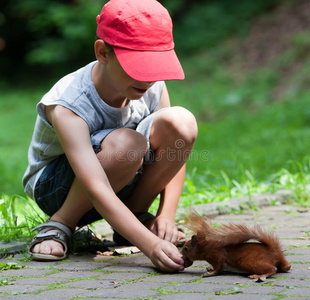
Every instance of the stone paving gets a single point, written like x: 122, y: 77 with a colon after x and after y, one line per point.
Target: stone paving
x: 95, y: 276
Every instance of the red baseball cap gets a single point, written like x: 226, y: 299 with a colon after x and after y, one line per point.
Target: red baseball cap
x: 141, y: 35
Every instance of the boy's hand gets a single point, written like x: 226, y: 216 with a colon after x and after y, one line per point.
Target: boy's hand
x: 166, y: 257
x: 165, y: 229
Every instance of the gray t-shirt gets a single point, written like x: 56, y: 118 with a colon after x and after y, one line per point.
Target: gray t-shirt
x: 77, y: 92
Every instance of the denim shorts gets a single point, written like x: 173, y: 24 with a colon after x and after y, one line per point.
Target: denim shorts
x: 57, y: 177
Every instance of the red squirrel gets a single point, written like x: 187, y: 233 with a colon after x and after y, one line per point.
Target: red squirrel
x: 228, y: 248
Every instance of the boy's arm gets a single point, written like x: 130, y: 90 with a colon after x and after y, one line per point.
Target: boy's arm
x: 169, y: 198
x: 74, y: 136
x: 164, y: 226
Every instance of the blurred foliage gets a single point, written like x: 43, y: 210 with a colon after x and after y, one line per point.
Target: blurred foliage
x: 201, y: 24
x: 41, y: 36
x: 51, y: 33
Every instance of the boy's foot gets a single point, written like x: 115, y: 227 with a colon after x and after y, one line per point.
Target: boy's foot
x: 51, y: 242
x: 49, y: 247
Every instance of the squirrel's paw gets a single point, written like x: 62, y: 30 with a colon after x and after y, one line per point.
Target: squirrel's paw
x: 210, y: 272
x: 210, y: 269
x: 207, y: 274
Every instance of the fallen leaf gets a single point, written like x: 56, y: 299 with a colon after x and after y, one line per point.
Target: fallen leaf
x: 302, y: 210
x: 124, y: 250
x: 107, y: 253
x: 260, y: 279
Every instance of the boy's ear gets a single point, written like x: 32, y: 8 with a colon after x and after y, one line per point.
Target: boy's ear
x: 101, y: 52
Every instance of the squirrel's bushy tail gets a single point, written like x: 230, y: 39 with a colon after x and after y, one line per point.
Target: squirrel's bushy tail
x: 230, y: 234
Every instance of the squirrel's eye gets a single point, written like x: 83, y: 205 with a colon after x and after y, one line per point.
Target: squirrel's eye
x: 185, y: 249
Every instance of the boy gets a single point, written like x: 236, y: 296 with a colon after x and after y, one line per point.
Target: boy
x: 106, y: 141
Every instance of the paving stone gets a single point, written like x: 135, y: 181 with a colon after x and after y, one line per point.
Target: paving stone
x: 40, y: 264
x: 25, y: 297
x: 299, y: 251
x: 103, y: 228
x: 24, y: 272
x: 233, y: 218
x: 291, y: 274
x: 202, y: 264
x: 39, y: 281
x: 80, y: 266
x: 299, y: 258
x: 297, y: 270
x: 131, y: 290
x: 121, y: 294
x: 25, y: 289
x: 245, y: 297
x: 133, y: 259
x: 294, y: 243
x: 235, y: 278
x: 196, y: 270
x: 131, y: 268
x: 75, y: 274
x: 296, y: 282
x: 183, y: 296
x: 261, y: 289
x: 90, y: 284
x: 292, y: 233
x: 297, y: 292
x: 60, y: 294
x: 180, y: 277
x: 122, y: 276
x: 199, y: 287
x: 12, y: 247
x: 11, y: 260
x: 227, y: 279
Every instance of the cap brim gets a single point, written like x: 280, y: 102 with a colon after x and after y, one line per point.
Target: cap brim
x: 149, y: 65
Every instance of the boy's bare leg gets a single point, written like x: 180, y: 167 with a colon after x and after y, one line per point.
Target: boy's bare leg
x: 172, y: 137
x: 119, y: 170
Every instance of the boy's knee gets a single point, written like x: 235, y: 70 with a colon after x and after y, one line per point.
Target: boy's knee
x: 125, y: 146
x: 179, y: 123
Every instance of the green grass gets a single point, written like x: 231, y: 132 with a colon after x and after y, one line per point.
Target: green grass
x: 17, y: 111
x: 17, y: 216
x: 249, y: 141
x: 242, y: 125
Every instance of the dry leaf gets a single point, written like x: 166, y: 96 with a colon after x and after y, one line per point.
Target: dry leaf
x: 107, y: 253
x: 260, y: 279
x: 124, y: 250
x: 302, y: 210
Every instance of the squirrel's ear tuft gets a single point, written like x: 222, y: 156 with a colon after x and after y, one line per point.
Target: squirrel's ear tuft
x: 194, y: 240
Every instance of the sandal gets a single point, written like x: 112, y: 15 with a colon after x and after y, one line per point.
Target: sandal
x: 144, y: 218
x: 61, y: 237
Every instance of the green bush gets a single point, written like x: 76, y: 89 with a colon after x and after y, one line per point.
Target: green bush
x: 53, y: 33
x: 62, y: 32
x: 59, y: 34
